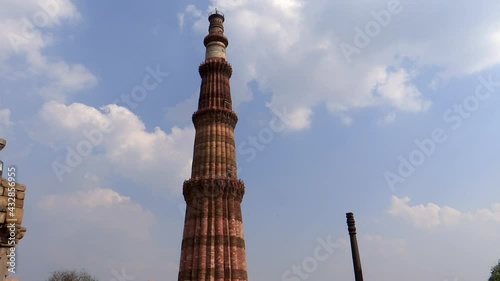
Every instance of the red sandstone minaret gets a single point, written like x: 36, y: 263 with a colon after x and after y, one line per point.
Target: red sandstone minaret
x: 213, y: 246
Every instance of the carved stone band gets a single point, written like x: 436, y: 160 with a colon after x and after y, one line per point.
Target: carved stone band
x: 211, y: 116
x: 195, y: 213
x: 215, y: 64
x: 226, y: 274
x: 213, y: 188
x: 216, y: 240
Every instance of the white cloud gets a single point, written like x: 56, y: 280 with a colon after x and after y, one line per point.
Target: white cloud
x: 291, y: 48
x: 25, y: 31
x: 107, y: 230
x: 396, y: 88
x: 193, y: 11
x: 492, y: 214
x: 99, y: 197
x: 388, y: 118
x: 190, y: 11
x: 299, y: 118
x: 181, y: 17
x: 378, y: 246
x: 63, y: 78
x: 82, y: 203
x: 432, y: 215
x: 56, y: 10
x: 345, y: 119
x: 150, y: 158
x: 4, y: 120
x: 179, y: 114
x: 290, y: 8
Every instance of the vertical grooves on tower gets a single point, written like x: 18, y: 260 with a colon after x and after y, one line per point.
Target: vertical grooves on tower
x: 233, y: 233
x: 204, y: 245
x: 219, y: 151
x: 210, y: 146
x: 210, y: 242
x: 224, y: 152
x: 206, y: 158
x: 229, y: 159
x: 219, y: 254
x: 210, y: 89
x: 217, y: 88
x: 213, y: 247
x: 194, y: 272
x: 214, y: 152
x: 228, y: 240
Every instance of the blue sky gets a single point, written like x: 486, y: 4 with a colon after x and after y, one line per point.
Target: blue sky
x: 385, y: 108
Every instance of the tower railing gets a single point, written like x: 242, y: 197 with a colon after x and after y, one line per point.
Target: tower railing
x: 216, y: 12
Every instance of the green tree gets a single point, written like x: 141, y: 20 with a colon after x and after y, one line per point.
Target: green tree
x: 495, y: 272
x: 71, y: 275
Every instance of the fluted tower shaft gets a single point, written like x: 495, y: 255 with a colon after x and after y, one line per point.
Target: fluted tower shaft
x: 213, y: 245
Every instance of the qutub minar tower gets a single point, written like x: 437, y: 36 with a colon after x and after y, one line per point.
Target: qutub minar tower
x: 213, y: 246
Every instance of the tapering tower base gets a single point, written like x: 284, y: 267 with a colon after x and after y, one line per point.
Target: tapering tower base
x: 213, y: 246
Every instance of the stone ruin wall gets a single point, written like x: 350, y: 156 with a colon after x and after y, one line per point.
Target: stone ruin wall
x: 10, y: 222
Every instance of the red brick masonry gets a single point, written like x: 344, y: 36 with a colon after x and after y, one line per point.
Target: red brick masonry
x: 213, y: 244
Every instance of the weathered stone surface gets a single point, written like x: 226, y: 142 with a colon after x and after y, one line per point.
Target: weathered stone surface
x: 7, y: 216
x: 21, y: 232
x: 213, y: 246
x: 16, y: 202
x: 20, y: 187
x: 3, y: 202
x: 5, y: 234
x: 20, y: 195
x: 19, y: 203
x: 6, y: 202
x: 4, y: 182
x: 19, y: 214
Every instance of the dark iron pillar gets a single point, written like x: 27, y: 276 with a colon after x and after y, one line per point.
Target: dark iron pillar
x: 351, y: 226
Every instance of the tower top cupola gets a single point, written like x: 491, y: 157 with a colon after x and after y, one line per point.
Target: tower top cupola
x: 216, y: 42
